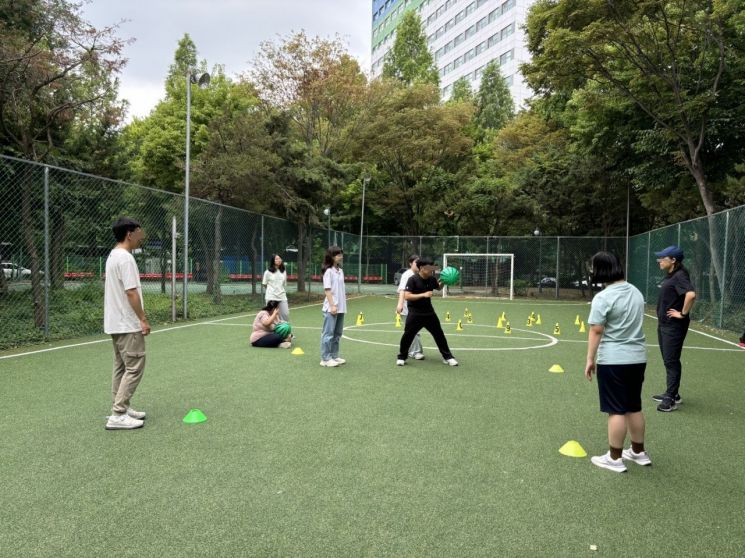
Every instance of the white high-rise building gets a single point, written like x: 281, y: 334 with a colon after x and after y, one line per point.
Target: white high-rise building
x: 463, y: 36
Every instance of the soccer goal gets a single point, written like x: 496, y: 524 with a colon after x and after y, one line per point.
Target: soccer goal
x: 489, y: 275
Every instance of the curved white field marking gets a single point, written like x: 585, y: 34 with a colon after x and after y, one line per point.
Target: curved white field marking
x: 551, y: 340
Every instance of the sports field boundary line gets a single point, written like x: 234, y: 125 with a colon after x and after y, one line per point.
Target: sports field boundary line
x: 701, y: 333
x: 108, y: 339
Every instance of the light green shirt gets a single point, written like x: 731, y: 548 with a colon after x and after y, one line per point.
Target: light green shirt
x: 619, y: 308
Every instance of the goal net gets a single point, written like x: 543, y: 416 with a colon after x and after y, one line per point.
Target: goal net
x: 488, y: 275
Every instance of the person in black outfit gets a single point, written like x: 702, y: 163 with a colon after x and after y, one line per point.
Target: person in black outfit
x: 418, y: 295
x: 742, y: 340
x: 673, y: 307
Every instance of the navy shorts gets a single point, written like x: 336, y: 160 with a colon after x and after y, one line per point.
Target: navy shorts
x: 620, y: 387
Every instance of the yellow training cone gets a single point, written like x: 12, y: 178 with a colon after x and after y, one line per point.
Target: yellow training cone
x: 500, y: 323
x: 582, y: 327
x: 538, y: 320
x: 557, y: 329
x: 572, y: 449
x: 556, y: 369
x: 469, y: 319
x: 576, y: 320
x: 297, y: 351
x: 459, y: 326
x: 503, y: 316
x: 529, y: 323
x: 447, y: 316
x: 507, y: 328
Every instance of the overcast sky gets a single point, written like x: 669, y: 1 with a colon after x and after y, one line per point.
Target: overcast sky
x: 225, y: 32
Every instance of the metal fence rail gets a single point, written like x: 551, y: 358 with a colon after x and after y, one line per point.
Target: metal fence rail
x: 55, y: 235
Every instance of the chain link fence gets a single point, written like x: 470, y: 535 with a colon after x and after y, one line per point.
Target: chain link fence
x: 715, y: 257
x: 55, y: 236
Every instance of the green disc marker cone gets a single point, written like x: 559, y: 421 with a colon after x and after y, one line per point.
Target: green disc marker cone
x: 195, y: 416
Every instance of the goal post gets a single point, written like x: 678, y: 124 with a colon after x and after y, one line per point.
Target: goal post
x: 488, y: 275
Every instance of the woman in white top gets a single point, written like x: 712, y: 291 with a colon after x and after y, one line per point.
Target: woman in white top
x: 275, y: 285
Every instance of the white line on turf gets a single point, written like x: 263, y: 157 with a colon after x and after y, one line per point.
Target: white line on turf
x: 552, y: 340
x: 702, y: 333
x: 210, y: 322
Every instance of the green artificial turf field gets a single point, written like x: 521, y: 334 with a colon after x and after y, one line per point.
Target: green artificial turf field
x: 367, y: 459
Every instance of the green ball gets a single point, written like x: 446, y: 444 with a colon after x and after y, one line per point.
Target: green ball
x: 283, y: 329
x: 450, y: 276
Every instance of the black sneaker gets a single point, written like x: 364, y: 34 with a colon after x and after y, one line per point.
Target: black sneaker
x: 667, y: 405
x: 661, y: 397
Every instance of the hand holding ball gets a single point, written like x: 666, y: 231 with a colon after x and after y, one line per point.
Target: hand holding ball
x: 450, y: 276
x: 283, y: 329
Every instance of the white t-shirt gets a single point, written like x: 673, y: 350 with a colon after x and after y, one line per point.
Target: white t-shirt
x: 275, y: 284
x: 402, y: 287
x: 121, y: 275
x: 333, y: 279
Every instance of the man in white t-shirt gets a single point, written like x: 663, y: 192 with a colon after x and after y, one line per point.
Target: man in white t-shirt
x: 124, y: 319
x: 415, y: 351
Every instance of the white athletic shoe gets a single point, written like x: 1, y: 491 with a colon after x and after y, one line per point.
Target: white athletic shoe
x: 123, y: 422
x: 329, y: 363
x: 285, y: 345
x: 605, y: 461
x: 450, y: 362
x: 139, y: 415
x: 418, y: 356
x: 400, y: 362
x: 641, y: 458
x: 339, y: 360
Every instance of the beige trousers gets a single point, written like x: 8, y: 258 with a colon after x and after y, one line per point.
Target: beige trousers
x: 129, y: 364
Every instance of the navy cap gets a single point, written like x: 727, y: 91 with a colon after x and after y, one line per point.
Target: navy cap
x: 671, y: 252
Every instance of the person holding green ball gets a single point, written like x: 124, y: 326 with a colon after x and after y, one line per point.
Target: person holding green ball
x: 268, y: 331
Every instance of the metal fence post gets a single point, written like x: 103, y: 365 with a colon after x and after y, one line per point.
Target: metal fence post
x: 646, y: 279
x: 723, y: 281
x: 558, y: 249
x: 46, y: 253
x: 174, y: 234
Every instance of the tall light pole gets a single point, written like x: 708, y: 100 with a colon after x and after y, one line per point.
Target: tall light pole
x: 203, y: 81
x: 365, y: 182
x: 327, y: 213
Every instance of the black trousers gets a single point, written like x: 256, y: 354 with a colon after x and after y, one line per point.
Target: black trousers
x: 670, y: 336
x: 414, y: 324
x: 270, y: 340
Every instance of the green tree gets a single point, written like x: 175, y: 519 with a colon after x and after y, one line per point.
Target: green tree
x: 676, y: 60
x: 314, y: 91
x: 462, y: 92
x: 410, y: 60
x: 56, y: 72
x: 494, y: 105
x: 414, y: 143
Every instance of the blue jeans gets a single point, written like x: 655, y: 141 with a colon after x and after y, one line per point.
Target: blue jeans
x: 333, y: 327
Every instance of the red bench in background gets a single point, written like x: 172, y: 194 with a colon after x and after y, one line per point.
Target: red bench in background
x: 80, y: 275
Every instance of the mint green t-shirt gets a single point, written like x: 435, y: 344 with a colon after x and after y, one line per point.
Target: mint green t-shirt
x: 619, y: 308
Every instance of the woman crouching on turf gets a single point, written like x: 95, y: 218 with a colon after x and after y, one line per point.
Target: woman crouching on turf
x: 263, y: 328
x: 616, y: 340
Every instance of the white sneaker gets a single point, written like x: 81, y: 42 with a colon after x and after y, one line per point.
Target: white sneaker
x: 123, y: 422
x: 285, y: 345
x: 641, y: 458
x: 339, y: 360
x: 330, y: 363
x: 450, y: 362
x: 605, y: 461
x: 139, y: 415
x: 418, y: 356
x: 400, y: 362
